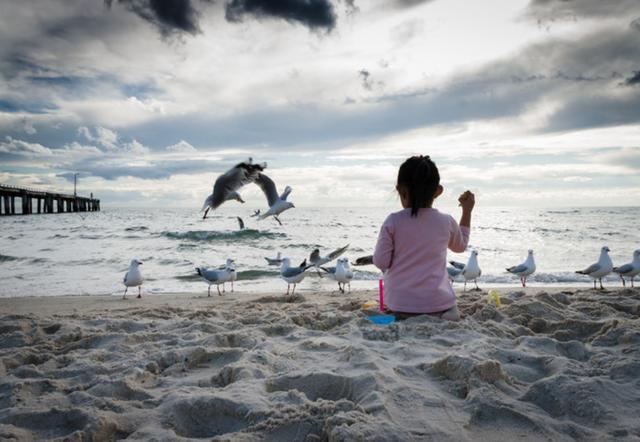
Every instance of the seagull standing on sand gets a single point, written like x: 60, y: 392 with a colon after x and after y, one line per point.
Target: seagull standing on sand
x: 316, y: 260
x: 600, y: 269
x: 630, y: 270
x: 229, y: 274
x: 133, y: 277
x: 277, y: 203
x: 274, y: 261
x: 292, y: 275
x: 525, y: 269
x: 341, y: 273
x: 227, y: 185
x: 217, y: 277
x: 454, y: 271
x: 470, y: 270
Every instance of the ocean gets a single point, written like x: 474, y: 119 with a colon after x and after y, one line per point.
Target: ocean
x: 89, y: 253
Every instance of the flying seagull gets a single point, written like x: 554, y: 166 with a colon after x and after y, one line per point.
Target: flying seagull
x: 227, y: 185
x: 240, y: 223
x: 133, y: 277
x: 525, y: 269
x: 277, y: 203
x: 316, y: 260
x: 600, y: 269
x: 630, y: 270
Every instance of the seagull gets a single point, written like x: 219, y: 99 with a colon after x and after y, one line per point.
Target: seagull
x: 341, y: 273
x: 277, y: 203
x: 240, y: 223
x: 255, y: 213
x: 525, y: 269
x: 600, y: 269
x: 274, y: 261
x: 364, y: 260
x: 230, y: 274
x: 133, y: 277
x: 316, y: 260
x: 227, y: 185
x: 629, y: 270
x: 454, y: 272
x: 217, y: 277
x: 470, y: 270
x: 292, y: 275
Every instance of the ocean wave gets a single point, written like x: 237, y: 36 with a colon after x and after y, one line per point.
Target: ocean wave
x: 5, y: 258
x: 136, y: 229
x: 212, y: 235
x: 257, y: 274
x: 562, y: 212
x: 91, y: 237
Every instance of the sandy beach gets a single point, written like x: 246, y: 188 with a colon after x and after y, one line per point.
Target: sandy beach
x: 549, y: 364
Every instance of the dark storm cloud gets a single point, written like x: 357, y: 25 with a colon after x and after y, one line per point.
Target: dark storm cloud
x: 365, y: 78
x: 169, y: 16
x: 634, y: 79
x: 314, y: 14
x: 582, y: 77
x: 159, y: 170
x: 409, y: 3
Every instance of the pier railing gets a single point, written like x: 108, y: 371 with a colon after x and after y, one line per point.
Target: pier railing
x: 41, y: 201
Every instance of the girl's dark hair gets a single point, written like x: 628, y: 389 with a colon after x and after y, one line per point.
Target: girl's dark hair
x: 418, y: 178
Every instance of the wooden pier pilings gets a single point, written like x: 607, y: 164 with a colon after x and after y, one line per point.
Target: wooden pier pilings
x: 38, y: 201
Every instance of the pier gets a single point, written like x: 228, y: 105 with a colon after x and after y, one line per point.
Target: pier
x: 33, y: 201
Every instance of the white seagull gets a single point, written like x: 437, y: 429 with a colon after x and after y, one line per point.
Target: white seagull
x: 454, y: 270
x: 133, y: 277
x: 470, y: 270
x: 231, y: 273
x: 316, y: 260
x: 274, y: 261
x: 292, y: 275
x: 630, y: 270
x: 600, y: 269
x: 341, y: 273
x: 217, y: 277
x: 277, y: 203
x: 525, y: 269
x: 227, y: 185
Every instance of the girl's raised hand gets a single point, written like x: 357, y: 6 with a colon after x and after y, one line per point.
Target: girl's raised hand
x: 467, y: 200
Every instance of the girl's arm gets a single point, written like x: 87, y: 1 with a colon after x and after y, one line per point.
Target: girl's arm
x: 459, y: 238
x: 383, y: 254
x: 467, y: 200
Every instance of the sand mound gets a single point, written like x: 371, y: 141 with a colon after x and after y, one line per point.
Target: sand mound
x: 545, y: 366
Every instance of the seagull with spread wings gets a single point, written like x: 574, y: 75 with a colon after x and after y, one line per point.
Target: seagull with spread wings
x: 227, y: 185
x: 277, y: 203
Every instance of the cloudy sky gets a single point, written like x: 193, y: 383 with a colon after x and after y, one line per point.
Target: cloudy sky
x: 526, y: 102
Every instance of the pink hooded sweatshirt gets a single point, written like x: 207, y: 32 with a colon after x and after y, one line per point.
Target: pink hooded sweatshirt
x: 412, y: 253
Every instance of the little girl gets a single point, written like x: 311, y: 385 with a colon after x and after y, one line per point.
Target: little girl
x: 412, y: 244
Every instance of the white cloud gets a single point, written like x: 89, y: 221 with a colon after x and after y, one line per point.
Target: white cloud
x: 181, y: 146
x: 23, y: 148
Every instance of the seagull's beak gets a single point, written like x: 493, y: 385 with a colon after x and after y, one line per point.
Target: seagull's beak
x: 240, y: 199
